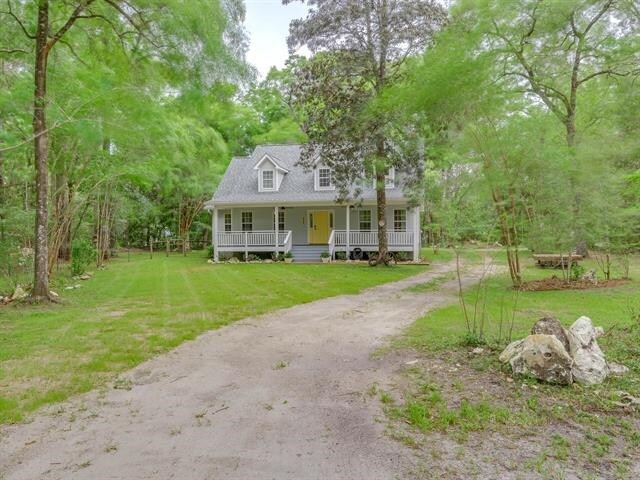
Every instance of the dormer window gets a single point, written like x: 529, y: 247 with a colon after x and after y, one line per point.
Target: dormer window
x: 323, y: 179
x: 390, y: 178
x: 268, y: 180
x: 270, y: 174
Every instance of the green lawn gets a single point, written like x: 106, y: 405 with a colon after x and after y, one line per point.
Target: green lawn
x: 495, y: 299
x: 134, y: 310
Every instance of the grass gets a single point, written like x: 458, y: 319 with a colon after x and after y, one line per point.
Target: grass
x: 134, y: 310
x: 496, y: 300
x: 457, y: 392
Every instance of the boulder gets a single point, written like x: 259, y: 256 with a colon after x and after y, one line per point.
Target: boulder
x: 589, y: 364
x: 233, y: 260
x: 510, y: 351
x: 552, y: 326
x: 18, y: 294
x: 540, y: 356
x: 590, y: 276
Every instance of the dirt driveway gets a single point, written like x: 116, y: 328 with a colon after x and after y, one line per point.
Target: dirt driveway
x: 280, y: 396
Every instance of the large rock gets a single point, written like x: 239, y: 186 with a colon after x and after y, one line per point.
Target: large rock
x: 589, y: 364
x: 541, y: 356
x: 18, y: 294
x: 552, y: 326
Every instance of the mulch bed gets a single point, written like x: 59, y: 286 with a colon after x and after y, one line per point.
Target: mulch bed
x: 555, y: 283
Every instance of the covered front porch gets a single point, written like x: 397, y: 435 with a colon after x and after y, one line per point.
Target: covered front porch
x: 313, y: 229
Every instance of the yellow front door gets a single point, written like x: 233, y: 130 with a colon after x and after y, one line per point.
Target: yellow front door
x: 319, y: 226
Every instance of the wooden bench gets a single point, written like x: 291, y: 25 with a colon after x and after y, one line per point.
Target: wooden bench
x: 553, y: 260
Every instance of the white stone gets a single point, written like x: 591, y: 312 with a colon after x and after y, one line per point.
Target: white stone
x: 540, y: 356
x: 18, y: 293
x: 589, y: 364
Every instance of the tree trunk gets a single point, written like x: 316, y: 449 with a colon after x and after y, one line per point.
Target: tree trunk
x: 41, y: 271
x: 381, y: 201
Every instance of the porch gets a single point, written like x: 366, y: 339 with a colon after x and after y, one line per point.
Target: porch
x: 307, y: 231
x: 339, y: 241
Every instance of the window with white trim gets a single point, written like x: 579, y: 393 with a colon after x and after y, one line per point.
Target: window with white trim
x: 280, y: 221
x: 247, y: 221
x: 364, y: 217
x: 268, y: 180
x: 324, y: 178
x: 390, y: 178
x: 227, y: 221
x: 400, y: 220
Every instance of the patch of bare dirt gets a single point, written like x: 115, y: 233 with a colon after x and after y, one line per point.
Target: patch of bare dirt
x: 556, y: 283
x: 545, y: 436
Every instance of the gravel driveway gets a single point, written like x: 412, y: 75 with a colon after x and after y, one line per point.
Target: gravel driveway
x: 280, y: 396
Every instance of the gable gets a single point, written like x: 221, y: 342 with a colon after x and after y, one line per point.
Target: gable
x: 268, y: 161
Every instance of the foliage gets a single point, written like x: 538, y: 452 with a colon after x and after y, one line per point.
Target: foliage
x: 359, y: 48
x: 82, y: 254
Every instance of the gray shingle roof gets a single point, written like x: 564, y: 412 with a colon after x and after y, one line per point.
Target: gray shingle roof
x: 239, y: 184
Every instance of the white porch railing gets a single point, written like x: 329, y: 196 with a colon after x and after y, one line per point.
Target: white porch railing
x: 256, y: 239
x: 288, y: 241
x: 332, y: 243
x: 364, y: 238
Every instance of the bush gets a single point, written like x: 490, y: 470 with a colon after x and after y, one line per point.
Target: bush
x: 289, y: 254
x: 324, y: 255
x: 401, y: 256
x: 341, y: 255
x: 577, y: 271
x: 82, y: 254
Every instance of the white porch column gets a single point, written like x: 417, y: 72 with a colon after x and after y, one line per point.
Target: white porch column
x: 214, y: 234
x: 276, y: 226
x: 417, y: 234
x: 348, y: 221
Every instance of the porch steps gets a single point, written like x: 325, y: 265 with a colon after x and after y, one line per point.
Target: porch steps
x: 308, y: 253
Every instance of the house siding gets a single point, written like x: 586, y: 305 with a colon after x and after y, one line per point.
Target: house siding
x: 296, y: 218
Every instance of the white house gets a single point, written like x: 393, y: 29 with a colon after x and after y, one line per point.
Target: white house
x: 268, y: 185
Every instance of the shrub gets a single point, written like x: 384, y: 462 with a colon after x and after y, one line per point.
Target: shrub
x: 401, y: 256
x: 289, y: 254
x: 341, y: 255
x: 82, y: 254
x: 324, y: 255
x: 577, y: 271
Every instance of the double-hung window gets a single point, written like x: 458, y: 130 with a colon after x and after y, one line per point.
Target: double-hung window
x: 247, y: 221
x: 227, y: 222
x: 268, y: 180
x: 324, y: 178
x: 390, y: 178
x: 400, y: 220
x: 365, y: 220
x: 280, y: 221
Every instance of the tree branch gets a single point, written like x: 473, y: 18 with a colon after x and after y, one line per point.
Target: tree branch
x: 69, y: 23
x: 9, y: 51
x: 22, y: 27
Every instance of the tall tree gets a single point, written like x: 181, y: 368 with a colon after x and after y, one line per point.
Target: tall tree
x: 360, y: 48
x: 149, y: 31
